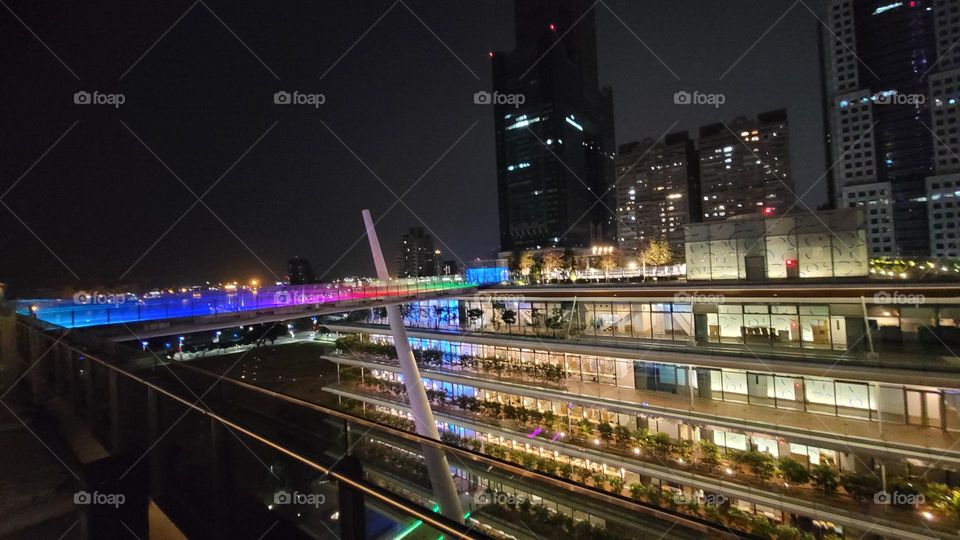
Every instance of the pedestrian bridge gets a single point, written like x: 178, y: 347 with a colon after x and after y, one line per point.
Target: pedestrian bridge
x: 221, y: 307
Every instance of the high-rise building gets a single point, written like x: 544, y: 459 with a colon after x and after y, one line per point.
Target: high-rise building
x: 299, y: 271
x: 417, y: 254
x: 886, y: 64
x: 555, y: 150
x: 943, y: 189
x: 658, y: 191
x: 745, y: 167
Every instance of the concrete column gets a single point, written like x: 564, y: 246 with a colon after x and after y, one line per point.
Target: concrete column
x: 436, y: 459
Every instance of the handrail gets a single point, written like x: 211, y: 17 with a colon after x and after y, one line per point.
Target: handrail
x: 437, y: 521
x: 691, y: 522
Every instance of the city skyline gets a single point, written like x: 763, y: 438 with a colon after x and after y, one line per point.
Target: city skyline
x: 275, y: 200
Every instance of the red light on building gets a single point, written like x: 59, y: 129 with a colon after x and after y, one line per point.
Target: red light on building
x: 790, y: 263
x: 768, y: 210
x: 553, y: 27
x: 490, y: 54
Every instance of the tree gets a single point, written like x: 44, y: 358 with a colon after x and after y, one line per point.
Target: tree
x: 825, y: 479
x: 761, y: 464
x: 586, y: 427
x: 709, y: 454
x: 616, y: 484
x: 606, y: 431
x: 552, y: 261
x: 793, y: 471
x: 860, y: 486
x: 569, y: 260
x: 655, y: 253
x: 607, y: 262
x: 525, y: 263
x: 948, y: 502
x: 474, y: 315
x: 509, y: 316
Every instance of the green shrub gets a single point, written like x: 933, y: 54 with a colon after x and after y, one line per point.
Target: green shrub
x: 794, y: 472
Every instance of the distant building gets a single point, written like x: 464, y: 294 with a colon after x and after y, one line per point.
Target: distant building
x: 745, y: 167
x: 555, y: 150
x: 658, y: 192
x: 943, y: 215
x: 300, y: 271
x: 449, y: 268
x: 891, y: 73
x: 417, y: 254
x: 800, y: 245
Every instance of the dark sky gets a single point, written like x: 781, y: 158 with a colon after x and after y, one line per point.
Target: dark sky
x: 99, y: 208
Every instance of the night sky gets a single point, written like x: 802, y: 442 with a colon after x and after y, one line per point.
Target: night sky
x: 100, y: 209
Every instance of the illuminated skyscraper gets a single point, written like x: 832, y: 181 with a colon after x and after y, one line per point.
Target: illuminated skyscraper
x: 658, y: 191
x: 890, y: 68
x: 417, y: 255
x: 745, y: 167
x: 555, y: 149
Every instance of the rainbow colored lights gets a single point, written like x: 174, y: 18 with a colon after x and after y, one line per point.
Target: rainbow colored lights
x: 98, y: 310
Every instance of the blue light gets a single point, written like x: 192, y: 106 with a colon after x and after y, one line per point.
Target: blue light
x: 489, y: 274
x: 888, y: 7
x: 68, y: 314
x: 570, y: 121
x: 844, y: 103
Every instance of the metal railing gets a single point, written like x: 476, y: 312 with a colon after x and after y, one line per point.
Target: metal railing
x: 267, y: 409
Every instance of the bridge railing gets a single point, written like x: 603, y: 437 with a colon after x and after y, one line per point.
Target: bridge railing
x: 218, y: 463
x: 216, y: 443
x: 95, y: 309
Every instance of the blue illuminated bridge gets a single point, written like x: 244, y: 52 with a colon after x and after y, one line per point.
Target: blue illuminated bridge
x: 216, y: 307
